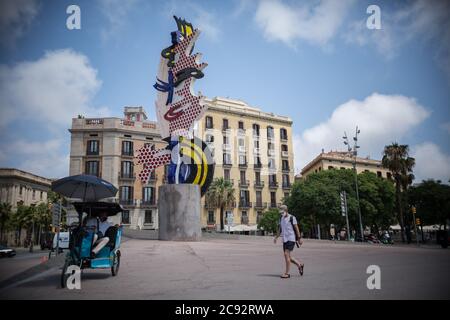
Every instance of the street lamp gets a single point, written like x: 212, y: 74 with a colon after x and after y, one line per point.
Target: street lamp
x: 354, y: 151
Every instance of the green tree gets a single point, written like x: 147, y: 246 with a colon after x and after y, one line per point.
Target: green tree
x: 396, y: 158
x: 5, y: 216
x: 269, y: 221
x: 220, y: 194
x: 432, y: 201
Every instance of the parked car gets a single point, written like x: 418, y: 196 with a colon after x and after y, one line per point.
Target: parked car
x: 63, y: 240
x: 7, y: 252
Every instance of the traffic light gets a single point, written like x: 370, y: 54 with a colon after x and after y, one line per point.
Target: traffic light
x: 413, y: 209
x: 417, y: 222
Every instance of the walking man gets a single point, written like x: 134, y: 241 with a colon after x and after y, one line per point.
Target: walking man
x: 291, y: 236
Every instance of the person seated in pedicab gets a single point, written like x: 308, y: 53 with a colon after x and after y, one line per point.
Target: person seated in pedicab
x: 101, y: 224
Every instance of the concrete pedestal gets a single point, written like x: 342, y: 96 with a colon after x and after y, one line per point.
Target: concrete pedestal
x: 179, y: 212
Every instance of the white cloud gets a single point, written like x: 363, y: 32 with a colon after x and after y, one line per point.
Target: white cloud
x: 428, y: 21
x: 377, y: 116
x: 41, y: 158
x: 313, y: 22
x: 446, y: 126
x: 50, y: 90
x: 115, y: 12
x: 431, y: 162
x: 16, y: 17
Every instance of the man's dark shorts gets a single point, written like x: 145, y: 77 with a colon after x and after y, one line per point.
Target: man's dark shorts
x: 289, y: 245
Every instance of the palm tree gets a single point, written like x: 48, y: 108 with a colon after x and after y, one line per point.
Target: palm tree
x: 220, y: 195
x: 397, y: 160
x: 5, y: 215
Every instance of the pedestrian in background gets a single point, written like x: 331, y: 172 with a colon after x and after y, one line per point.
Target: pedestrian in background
x: 290, y: 233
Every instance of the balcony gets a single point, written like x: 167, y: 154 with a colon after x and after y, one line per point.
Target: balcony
x: 260, y: 205
x: 127, y: 123
x: 148, y: 203
x: 283, y: 138
x: 209, y: 206
x: 286, y: 185
x: 285, y: 169
x: 241, y: 132
x: 256, y: 151
x: 285, y: 154
x: 274, y: 205
x: 273, y: 184
x: 270, y: 138
x: 271, y: 152
x: 245, y: 204
x: 153, y: 177
x: 227, y: 164
x: 232, y: 205
x: 243, y: 165
x: 92, y: 153
x: 230, y: 181
x: 259, y: 184
x: 242, y: 149
x: 127, y: 176
x: 244, y: 183
x: 226, y: 147
x: 256, y: 135
x: 226, y: 130
x: 127, y: 202
x: 127, y: 153
x: 91, y: 122
x: 257, y: 165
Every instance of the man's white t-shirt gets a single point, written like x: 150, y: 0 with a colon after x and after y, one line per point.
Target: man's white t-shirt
x: 287, y: 231
x: 103, y: 226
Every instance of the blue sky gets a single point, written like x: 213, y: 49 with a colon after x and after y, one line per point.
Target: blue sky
x: 315, y: 61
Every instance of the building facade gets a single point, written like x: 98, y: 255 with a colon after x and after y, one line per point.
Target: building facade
x: 253, y: 150
x: 20, y: 187
x: 105, y: 147
x: 344, y: 160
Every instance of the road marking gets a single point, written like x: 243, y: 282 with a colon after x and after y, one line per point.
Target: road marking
x: 36, y: 276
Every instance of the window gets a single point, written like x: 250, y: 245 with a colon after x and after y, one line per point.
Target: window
x: 258, y: 162
x: 244, y: 196
x: 242, y: 176
x: 244, y: 217
x: 127, y: 169
x: 148, y: 218
x: 242, y: 160
x: 284, y: 147
x: 255, y: 129
x: 20, y: 190
x: 126, y: 194
x: 258, y: 177
x: 285, y: 165
x: 270, y: 146
x: 320, y: 169
x: 226, y: 140
x: 270, y: 133
x: 148, y: 195
x: 92, y: 168
x: 226, y: 174
x: 258, y: 198
x: 208, y: 122
x: 42, y: 194
x: 330, y: 167
x: 34, y: 194
x: 256, y: 142
x: 379, y: 175
x: 241, y: 142
x: 259, y: 215
x: 273, y: 199
x: 283, y: 134
x: 285, y: 180
x: 272, y: 179
x: 241, y: 125
x: 127, y: 148
x: 272, y: 163
x: 126, y: 217
x: 211, y: 217
x: 225, y: 124
x: 226, y: 158
x: 92, y: 147
x: 342, y: 168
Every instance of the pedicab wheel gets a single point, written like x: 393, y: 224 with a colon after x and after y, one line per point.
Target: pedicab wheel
x: 116, y: 264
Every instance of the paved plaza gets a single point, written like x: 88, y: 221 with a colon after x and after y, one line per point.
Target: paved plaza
x: 249, y: 267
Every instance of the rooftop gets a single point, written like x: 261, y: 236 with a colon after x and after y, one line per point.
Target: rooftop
x: 20, y: 174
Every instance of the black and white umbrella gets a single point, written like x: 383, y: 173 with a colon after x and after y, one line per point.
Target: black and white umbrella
x: 84, y: 187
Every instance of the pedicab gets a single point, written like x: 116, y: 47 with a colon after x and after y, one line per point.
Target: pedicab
x: 82, y: 241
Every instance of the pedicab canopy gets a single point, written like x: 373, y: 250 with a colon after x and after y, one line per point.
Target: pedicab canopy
x: 95, y: 208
